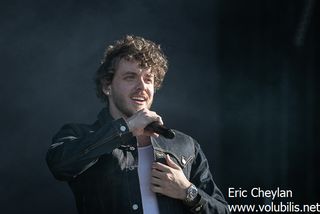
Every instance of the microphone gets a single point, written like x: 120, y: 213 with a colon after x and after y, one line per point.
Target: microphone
x: 160, y: 129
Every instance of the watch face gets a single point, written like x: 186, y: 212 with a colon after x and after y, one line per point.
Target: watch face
x: 192, y: 193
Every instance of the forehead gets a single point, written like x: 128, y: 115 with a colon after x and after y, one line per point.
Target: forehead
x: 126, y: 66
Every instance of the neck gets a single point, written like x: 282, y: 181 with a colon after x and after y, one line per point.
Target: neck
x: 115, y: 113
x: 143, y: 141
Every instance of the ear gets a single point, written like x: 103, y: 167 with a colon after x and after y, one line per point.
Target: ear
x: 106, y: 88
x: 105, y: 91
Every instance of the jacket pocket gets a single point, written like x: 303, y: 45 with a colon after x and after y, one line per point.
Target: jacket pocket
x: 180, y: 159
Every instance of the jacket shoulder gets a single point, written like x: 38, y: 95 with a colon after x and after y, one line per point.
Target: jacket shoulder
x: 76, y: 129
x: 184, y: 138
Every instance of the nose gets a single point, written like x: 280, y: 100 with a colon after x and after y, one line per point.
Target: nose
x: 141, y: 84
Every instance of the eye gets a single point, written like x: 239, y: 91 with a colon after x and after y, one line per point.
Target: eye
x: 148, y: 80
x: 129, y: 77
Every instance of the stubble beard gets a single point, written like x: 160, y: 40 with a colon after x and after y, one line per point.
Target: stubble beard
x: 124, y: 108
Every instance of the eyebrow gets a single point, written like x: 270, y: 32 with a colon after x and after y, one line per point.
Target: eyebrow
x: 129, y: 73
x: 134, y: 73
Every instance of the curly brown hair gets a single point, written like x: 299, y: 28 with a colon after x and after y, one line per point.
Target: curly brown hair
x: 132, y: 48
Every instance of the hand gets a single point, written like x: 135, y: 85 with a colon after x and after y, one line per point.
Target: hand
x: 169, y: 180
x: 138, y: 121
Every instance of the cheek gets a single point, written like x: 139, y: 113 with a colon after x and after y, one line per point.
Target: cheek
x: 151, y: 91
x: 121, y: 89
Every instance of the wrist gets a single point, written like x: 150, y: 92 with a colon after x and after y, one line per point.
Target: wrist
x: 129, y: 123
x: 191, y: 193
x: 185, y: 190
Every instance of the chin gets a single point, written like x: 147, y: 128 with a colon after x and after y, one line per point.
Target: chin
x: 139, y: 108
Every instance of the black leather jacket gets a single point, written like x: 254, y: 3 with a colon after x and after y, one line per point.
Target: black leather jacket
x: 100, y: 163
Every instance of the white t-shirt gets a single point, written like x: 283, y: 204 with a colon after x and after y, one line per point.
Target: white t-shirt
x: 149, y: 199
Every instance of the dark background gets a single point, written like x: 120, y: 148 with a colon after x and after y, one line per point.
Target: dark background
x: 243, y: 80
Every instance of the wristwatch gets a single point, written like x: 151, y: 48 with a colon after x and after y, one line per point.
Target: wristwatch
x: 192, y: 193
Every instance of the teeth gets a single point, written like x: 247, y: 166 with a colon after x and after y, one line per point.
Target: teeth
x: 138, y: 98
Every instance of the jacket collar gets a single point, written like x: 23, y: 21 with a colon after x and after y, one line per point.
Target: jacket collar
x: 177, y: 147
x: 104, y: 116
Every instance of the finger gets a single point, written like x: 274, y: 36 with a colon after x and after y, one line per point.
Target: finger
x: 150, y: 133
x: 156, y: 189
x: 156, y: 181
x: 156, y: 173
x: 155, y: 117
x: 154, y: 134
x: 162, y: 167
x: 159, y: 119
x: 171, y: 163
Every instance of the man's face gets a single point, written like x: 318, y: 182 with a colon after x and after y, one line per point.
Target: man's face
x: 131, y: 89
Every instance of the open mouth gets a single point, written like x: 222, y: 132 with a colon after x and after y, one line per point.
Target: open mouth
x: 139, y: 99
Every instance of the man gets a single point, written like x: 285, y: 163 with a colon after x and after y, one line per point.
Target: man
x: 117, y: 165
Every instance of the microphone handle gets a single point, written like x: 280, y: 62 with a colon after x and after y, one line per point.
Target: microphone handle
x: 160, y: 129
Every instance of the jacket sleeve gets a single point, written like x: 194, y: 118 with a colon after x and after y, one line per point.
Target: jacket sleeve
x: 76, y: 148
x: 209, y: 199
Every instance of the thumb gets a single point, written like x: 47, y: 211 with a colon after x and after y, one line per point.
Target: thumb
x: 171, y: 163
